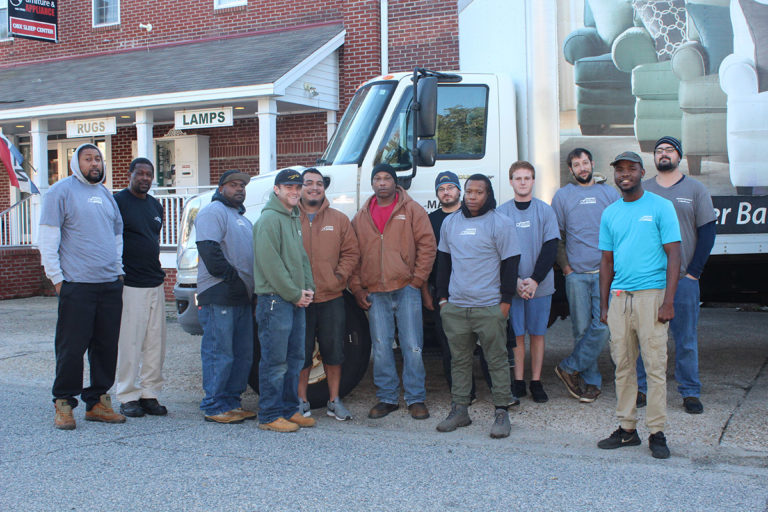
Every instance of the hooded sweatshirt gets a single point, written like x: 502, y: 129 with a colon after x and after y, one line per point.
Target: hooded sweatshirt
x: 331, y: 246
x: 402, y: 255
x: 81, y: 230
x: 281, y: 265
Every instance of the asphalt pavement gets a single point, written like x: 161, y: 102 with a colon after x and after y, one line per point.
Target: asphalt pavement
x: 719, y: 459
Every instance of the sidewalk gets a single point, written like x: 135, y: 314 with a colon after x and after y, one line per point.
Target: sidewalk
x: 733, y: 360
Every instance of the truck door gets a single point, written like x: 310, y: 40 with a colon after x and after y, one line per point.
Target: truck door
x: 466, y: 114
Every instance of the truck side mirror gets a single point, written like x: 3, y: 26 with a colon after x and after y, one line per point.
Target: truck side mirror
x: 426, y: 152
x: 427, y: 100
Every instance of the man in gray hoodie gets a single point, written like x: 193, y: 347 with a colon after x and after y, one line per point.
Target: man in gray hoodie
x: 81, y: 247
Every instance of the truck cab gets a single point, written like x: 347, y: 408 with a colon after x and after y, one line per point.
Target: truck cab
x: 475, y: 133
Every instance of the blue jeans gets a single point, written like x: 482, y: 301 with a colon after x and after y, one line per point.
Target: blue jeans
x: 281, y: 335
x: 683, y: 329
x: 226, y: 351
x: 589, y: 333
x: 403, y: 305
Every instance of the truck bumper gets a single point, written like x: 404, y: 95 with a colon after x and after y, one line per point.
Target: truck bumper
x: 186, y: 309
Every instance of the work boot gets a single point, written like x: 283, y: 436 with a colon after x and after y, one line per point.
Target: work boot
x: 571, y: 381
x: 244, y: 413
x: 692, y: 405
x: 103, y: 412
x: 458, y: 417
x: 590, y: 394
x: 418, y: 411
x: 381, y: 409
x: 225, y: 417
x: 280, y: 425
x: 301, y: 420
x: 501, y: 426
x: 64, y: 419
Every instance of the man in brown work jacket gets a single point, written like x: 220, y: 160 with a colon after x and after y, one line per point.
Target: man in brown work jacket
x: 331, y: 245
x: 397, y: 249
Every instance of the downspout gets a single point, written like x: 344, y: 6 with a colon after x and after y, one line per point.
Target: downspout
x: 384, y: 35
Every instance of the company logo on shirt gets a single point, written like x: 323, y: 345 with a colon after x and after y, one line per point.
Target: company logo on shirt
x: 327, y: 228
x: 399, y: 217
x: 523, y: 224
x: 684, y: 200
x: 588, y: 200
x: 158, y: 219
x: 94, y: 200
x: 240, y: 222
x: 469, y: 231
x: 646, y: 218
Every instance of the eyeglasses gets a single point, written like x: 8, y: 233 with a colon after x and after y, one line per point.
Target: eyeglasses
x: 665, y: 151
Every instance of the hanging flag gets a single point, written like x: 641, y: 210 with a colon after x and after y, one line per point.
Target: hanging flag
x: 12, y: 160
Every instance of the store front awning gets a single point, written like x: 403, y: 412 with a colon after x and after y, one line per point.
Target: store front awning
x: 297, y: 67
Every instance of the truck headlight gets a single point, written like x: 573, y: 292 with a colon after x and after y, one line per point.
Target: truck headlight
x: 188, y: 259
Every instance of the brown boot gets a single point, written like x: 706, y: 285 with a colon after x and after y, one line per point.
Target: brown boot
x: 280, y: 425
x: 301, y: 421
x: 244, y: 413
x: 103, y: 412
x: 64, y: 419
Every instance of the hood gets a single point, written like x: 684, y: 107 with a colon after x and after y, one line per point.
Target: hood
x: 218, y: 197
x: 490, y: 201
x: 74, y: 164
x: 275, y: 205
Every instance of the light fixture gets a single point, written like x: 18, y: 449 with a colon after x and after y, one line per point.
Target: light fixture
x: 125, y: 117
x: 239, y: 108
x: 147, y: 26
x: 19, y: 126
x: 310, y: 90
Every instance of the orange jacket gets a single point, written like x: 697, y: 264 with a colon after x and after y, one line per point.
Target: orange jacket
x: 402, y: 255
x: 331, y: 245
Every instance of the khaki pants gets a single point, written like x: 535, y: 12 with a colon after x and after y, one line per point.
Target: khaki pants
x: 633, y: 322
x: 464, y: 327
x: 141, y: 349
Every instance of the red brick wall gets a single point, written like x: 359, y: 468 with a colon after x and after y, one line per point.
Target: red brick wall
x: 423, y: 33
x: 5, y: 189
x: 21, y: 274
x: 170, y: 281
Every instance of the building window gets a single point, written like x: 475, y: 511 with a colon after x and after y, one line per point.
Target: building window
x: 3, y: 19
x: 106, y: 12
x: 223, y: 4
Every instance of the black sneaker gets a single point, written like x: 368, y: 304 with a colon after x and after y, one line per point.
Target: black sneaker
x: 619, y: 439
x: 153, y: 407
x: 132, y: 409
x: 537, y: 392
x: 518, y: 388
x: 658, y: 445
x: 641, y: 400
x: 692, y: 405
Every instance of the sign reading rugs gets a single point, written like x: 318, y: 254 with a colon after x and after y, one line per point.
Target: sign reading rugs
x: 91, y: 127
x: 205, y: 118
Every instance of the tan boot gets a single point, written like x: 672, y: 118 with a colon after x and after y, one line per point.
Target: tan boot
x: 226, y: 417
x: 301, y: 421
x: 103, y: 412
x: 244, y: 413
x: 64, y: 419
x: 280, y: 425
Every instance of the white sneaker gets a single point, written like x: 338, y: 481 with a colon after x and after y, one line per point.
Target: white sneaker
x: 304, y: 408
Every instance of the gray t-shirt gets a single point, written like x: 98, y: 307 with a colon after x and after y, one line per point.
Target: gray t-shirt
x: 578, y: 210
x: 477, y: 246
x: 217, y: 222
x: 89, y: 220
x: 693, y: 205
x: 534, y: 226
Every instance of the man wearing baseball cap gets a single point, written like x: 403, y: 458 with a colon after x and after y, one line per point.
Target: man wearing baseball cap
x: 693, y: 205
x: 224, y: 298
x: 285, y: 288
x: 639, y: 268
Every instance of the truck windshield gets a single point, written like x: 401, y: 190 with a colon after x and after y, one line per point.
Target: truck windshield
x: 358, y: 124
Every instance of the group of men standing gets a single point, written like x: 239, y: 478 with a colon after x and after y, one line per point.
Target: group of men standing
x: 486, y: 271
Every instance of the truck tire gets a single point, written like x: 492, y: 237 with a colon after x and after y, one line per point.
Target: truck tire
x: 357, y: 355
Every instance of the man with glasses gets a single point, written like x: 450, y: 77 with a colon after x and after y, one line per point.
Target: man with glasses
x: 331, y: 245
x: 693, y: 205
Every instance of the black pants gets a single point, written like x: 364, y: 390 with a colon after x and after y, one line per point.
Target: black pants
x: 89, y: 320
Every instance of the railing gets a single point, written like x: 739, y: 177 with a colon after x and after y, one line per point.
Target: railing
x: 17, y: 224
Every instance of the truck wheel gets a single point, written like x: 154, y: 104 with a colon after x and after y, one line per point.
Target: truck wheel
x: 357, y: 354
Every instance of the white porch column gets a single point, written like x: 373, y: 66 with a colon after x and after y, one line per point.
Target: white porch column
x: 144, y: 123
x: 267, y: 135
x: 330, y: 123
x: 39, y: 139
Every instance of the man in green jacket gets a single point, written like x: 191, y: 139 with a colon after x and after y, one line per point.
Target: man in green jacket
x: 284, y: 286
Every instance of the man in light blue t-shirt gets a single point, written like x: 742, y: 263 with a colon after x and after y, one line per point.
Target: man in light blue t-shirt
x: 640, y: 264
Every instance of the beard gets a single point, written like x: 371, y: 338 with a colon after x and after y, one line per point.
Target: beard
x: 96, y: 179
x: 665, y: 166
x: 583, y: 180
x: 313, y: 202
x: 450, y: 204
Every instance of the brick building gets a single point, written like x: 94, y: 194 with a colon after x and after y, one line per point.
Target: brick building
x: 282, y: 72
